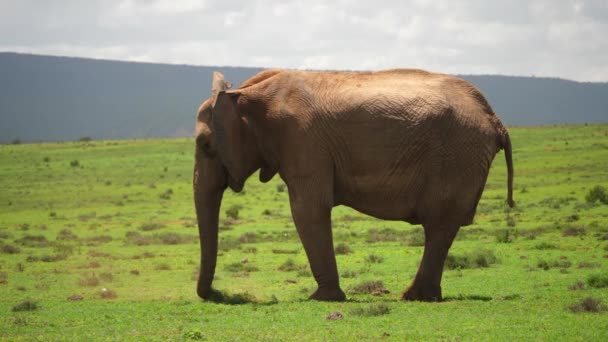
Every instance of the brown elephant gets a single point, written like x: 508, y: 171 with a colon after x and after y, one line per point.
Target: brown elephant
x: 405, y: 145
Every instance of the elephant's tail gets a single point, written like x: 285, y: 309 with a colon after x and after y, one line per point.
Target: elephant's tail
x: 506, y: 144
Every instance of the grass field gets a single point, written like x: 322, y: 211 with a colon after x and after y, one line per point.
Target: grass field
x: 98, y: 241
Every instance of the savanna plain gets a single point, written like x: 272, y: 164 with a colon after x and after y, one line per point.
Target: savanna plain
x: 98, y: 241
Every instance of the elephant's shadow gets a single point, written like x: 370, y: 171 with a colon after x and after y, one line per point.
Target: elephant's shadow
x: 220, y: 297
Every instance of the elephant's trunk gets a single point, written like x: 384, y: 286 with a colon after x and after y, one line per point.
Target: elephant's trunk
x: 209, y: 185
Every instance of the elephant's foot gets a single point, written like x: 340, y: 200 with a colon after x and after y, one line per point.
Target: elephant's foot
x: 422, y: 293
x: 328, y: 295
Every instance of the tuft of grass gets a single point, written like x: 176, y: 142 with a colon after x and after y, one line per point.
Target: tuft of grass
x: 597, y: 194
x: 163, y: 267
x: 3, y: 278
x: 349, y: 274
x: 107, y: 294
x: 374, y: 259
x: 74, y: 163
x: 238, y: 267
x: 374, y: 309
x: 588, y: 304
x: 343, y: 249
x: 66, y: 235
x: 146, y: 227
x: 233, y: 211
x: 598, y: 280
x: 10, y: 249
x: 285, y: 251
x: 90, y: 281
x: 369, y: 287
x: 585, y: 264
x: 545, y: 245
x: 26, y: 305
x: 249, y: 237
x: 290, y: 266
x: 579, y: 285
x: 476, y: 259
x: 33, y: 241
x: 505, y: 236
x: 281, y: 187
x: 574, y: 231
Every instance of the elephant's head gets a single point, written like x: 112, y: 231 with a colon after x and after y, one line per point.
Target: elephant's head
x: 226, y: 155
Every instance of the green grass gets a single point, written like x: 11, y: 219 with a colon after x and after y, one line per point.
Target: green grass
x: 113, y: 222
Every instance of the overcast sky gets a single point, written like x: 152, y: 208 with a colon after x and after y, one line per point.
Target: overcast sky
x: 557, y: 38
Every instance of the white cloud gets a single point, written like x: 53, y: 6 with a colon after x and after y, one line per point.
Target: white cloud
x: 536, y: 37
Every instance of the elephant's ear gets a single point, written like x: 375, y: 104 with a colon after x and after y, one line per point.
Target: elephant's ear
x: 226, y: 127
x: 219, y: 83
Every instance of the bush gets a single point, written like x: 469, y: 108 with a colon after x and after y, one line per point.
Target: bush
x: 597, y: 193
x: 374, y: 309
x: 374, y: 259
x: 74, y: 163
x: 588, y: 304
x: 10, y: 249
x: 343, y: 249
x: 598, y: 280
x: 505, y: 236
x: 574, y: 231
x: 369, y: 287
x: 27, y: 305
x: 233, y: 212
x: 477, y: 259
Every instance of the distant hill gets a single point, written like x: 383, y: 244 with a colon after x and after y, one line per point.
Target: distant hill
x: 45, y: 98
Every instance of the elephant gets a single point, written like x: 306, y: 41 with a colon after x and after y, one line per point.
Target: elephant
x: 403, y: 144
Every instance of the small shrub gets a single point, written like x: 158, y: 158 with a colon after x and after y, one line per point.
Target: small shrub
x: 588, y: 304
x: 146, y: 227
x: 369, y: 287
x: 240, y: 267
x: 511, y: 221
x: 349, y: 274
x: 33, y: 241
x: 284, y: 251
x: 3, y: 278
x: 476, y: 259
x: 233, y: 212
x: 26, y: 305
x: 267, y: 212
x: 579, y: 285
x: 134, y: 272
x: 194, y: 334
x: 374, y: 259
x: 85, y: 139
x: 74, y: 163
x: 249, y: 237
x: 281, y: 187
x: 289, y: 266
x: 163, y: 267
x: 597, y: 193
x: 107, y: 294
x: 16, y: 141
x: 598, y: 280
x: 343, y: 249
x: 66, y: 234
x: 90, y: 281
x: 374, y: 309
x: 545, y: 245
x: 10, y: 249
x: 585, y: 264
x: 574, y: 231
x: 167, y: 194
x: 505, y: 236
x: 250, y: 250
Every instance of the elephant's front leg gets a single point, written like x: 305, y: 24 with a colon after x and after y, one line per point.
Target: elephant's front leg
x: 313, y: 221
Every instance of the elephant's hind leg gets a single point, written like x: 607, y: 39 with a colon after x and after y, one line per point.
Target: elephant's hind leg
x: 427, y: 284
